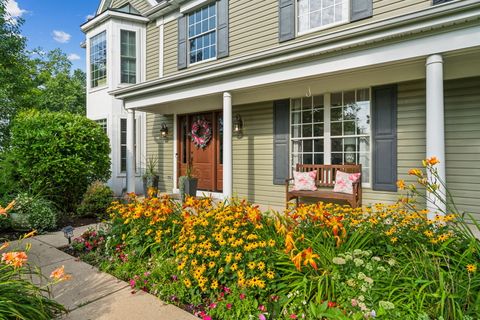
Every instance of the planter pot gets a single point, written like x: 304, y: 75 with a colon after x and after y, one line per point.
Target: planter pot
x: 19, y: 221
x: 150, y: 181
x: 191, y: 186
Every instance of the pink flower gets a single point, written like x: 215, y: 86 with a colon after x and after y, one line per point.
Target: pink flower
x: 207, y: 318
x: 242, y: 296
x: 261, y: 316
x: 293, y: 316
x: 212, y: 305
x: 229, y: 306
x: 262, y: 308
x: 132, y: 283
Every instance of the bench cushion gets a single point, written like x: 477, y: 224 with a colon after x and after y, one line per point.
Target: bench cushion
x: 304, y: 180
x: 344, y: 181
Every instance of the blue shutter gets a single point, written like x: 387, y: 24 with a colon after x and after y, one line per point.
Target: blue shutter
x: 384, y: 134
x: 360, y: 9
x: 281, y: 136
x: 182, y: 43
x: 222, y: 29
x: 286, y: 20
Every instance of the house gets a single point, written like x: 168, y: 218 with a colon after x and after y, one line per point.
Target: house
x: 382, y: 83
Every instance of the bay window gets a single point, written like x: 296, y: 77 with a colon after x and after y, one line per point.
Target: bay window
x: 337, y: 132
x: 98, y: 60
x: 128, y: 57
x: 316, y: 14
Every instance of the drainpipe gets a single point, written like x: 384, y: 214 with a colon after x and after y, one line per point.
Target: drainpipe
x: 436, y: 128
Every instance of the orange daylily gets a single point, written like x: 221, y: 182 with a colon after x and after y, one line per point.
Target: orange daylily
x: 4, y: 245
x: 309, y: 257
x: 289, y: 242
x: 430, y: 161
x: 59, y: 274
x: 30, y: 234
x: 16, y: 259
x: 3, y: 211
x: 415, y: 172
x: 297, y: 260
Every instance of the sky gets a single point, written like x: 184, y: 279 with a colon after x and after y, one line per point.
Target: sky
x: 51, y: 24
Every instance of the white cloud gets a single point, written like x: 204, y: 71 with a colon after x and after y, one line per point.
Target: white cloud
x: 61, y: 36
x: 73, y: 57
x: 90, y: 16
x: 13, y: 10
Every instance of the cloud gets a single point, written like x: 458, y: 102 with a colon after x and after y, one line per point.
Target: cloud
x: 73, y: 57
x: 13, y: 10
x: 90, y: 16
x: 61, y: 36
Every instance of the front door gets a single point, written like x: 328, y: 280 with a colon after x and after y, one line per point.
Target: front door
x: 205, y: 161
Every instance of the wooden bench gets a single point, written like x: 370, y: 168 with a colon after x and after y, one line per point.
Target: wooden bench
x: 326, y: 179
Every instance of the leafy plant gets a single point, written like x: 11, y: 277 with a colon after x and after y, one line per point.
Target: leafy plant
x: 96, y: 201
x: 58, y: 155
x: 33, y: 212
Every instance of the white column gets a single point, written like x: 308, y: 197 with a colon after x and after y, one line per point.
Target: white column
x: 435, y: 125
x: 131, y: 151
x: 227, y: 146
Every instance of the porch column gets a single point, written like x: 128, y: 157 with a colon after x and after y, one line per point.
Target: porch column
x: 131, y: 151
x: 436, y: 126
x: 227, y: 146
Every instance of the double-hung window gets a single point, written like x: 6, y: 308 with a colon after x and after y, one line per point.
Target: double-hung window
x: 123, y: 144
x: 103, y: 124
x: 317, y: 14
x: 98, y: 60
x: 128, y: 56
x: 332, y: 129
x: 202, y: 33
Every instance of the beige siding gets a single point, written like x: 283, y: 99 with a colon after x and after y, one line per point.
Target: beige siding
x: 254, y: 27
x: 462, y: 126
x: 170, y: 45
x: 161, y: 149
x: 153, y: 51
x: 253, y: 156
x: 141, y: 5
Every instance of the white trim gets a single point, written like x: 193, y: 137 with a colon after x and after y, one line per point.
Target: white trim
x: 328, y: 26
x: 193, y: 5
x: 203, y: 193
x: 335, y: 41
x: 152, y: 2
x: 327, y: 136
x: 99, y: 9
x: 406, y: 50
x: 171, y: 17
x: 109, y: 14
x: 345, y: 20
x: 227, y: 146
x: 175, y: 151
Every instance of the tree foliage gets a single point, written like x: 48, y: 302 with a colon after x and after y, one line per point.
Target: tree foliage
x: 37, y: 79
x: 57, y: 154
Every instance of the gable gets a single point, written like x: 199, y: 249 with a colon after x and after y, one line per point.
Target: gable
x: 141, y: 6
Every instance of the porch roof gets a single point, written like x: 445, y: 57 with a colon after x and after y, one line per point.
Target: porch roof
x: 404, y: 40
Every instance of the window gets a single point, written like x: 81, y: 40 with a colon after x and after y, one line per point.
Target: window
x: 347, y: 141
x: 128, y: 8
x: 315, y: 14
x: 123, y: 144
x: 128, y: 54
x: 103, y: 124
x: 98, y: 60
x: 202, y: 33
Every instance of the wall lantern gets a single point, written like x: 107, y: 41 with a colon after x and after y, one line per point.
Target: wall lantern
x: 238, y: 125
x: 68, y: 233
x: 164, y: 131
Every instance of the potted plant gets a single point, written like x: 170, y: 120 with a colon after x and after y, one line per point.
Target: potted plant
x: 188, y: 183
x: 150, y: 177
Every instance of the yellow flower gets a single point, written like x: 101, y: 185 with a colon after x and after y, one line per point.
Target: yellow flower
x: 271, y: 243
x: 214, y: 285
x: 221, y: 271
x: 187, y: 283
x: 251, y: 265
x: 211, y: 264
x: 270, y: 274
x: 393, y: 239
x: 261, y: 266
x: 401, y: 184
x: 471, y: 268
x: 238, y: 256
x: 234, y: 267
x: 428, y: 233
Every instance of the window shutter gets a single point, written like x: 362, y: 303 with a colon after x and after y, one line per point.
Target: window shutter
x: 222, y: 29
x: 286, y: 21
x: 281, y: 118
x: 384, y: 132
x: 182, y: 43
x: 360, y: 9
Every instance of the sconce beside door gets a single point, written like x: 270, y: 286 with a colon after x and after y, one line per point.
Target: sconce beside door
x: 238, y: 126
x: 164, y: 131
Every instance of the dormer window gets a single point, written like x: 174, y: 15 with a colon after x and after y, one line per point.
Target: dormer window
x: 128, y: 56
x: 318, y: 14
x: 202, y: 33
x: 128, y: 8
x: 98, y: 60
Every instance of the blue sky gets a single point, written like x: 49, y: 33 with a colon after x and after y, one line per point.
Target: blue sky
x: 51, y: 24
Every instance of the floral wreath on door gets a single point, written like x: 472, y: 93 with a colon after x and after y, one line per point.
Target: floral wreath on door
x: 201, y: 133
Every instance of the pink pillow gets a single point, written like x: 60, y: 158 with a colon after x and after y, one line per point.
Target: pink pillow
x: 304, y: 180
x: 344, y: 181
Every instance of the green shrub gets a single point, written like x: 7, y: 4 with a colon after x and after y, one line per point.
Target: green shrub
x: 33, y: 213
x: 58, y: 155
x: 96, y: 201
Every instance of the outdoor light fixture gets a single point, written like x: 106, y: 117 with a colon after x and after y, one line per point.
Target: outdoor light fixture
x: 164, y: 131
x: 238, y: 125
x: 68, y: 233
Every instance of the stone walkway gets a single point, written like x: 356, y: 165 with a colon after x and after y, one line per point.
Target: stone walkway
x: 92, y: 294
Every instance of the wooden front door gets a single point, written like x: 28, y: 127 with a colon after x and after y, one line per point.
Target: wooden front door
x: 206, y: 162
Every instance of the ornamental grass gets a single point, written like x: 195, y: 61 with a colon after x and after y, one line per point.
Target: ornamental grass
x: 229, y: 260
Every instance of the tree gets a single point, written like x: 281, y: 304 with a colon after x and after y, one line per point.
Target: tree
x: 58, y: 155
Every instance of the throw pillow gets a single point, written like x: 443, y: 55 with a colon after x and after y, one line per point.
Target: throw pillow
x: 344, y: 181
x: 304, y: 180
